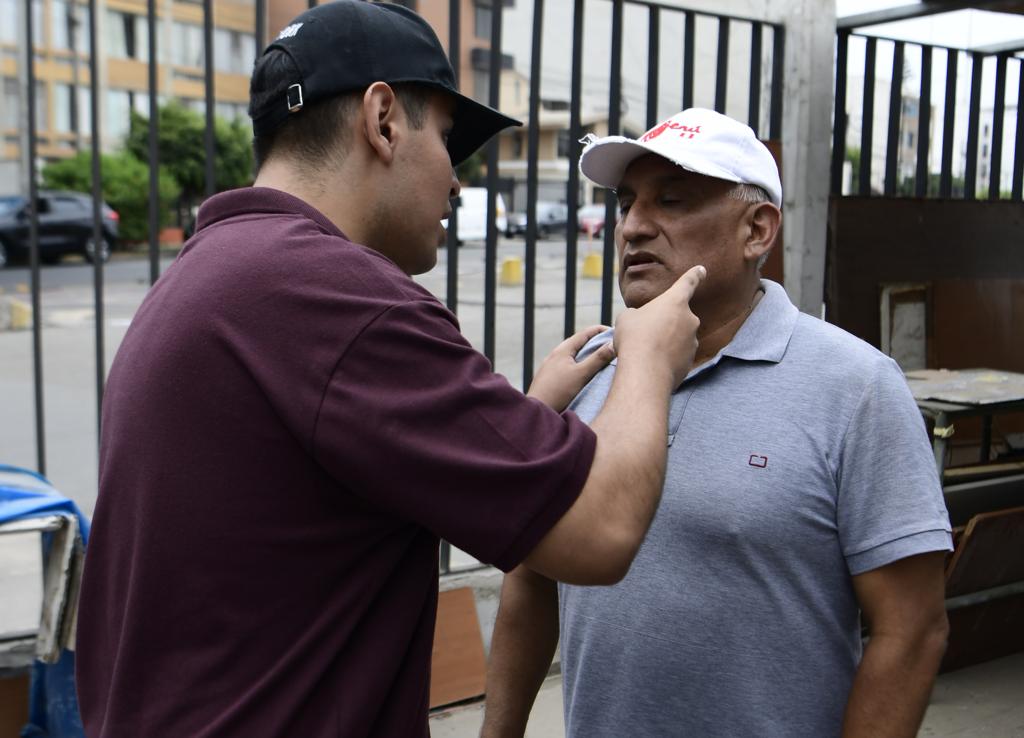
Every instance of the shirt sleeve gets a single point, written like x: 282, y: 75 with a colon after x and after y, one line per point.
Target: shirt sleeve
x: 890, y: 502
x: 414, y: 421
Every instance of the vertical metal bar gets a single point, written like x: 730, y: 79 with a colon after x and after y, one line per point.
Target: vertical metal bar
x: 533, y: 152
x: 722, y: 66
x: 949, y: 120
x: 572, y: 228
x: 452, y: 291
x: 261, y: 26
x: 653, y: 54
x: 892, y: 146
x: 998, y: 111
x: 533, y: 147
x: 97, y: 214
x: 778, y: 77
x: 973, y: 113
x: 491, y: 248
x: 839, y: 115
x: 211, y: 175
x: 154, y: 154
x: 754, y: 100
x: 924, y: 117
x: 33, y: 236
x: 452, y: 281
x: 867, y: 118
x: 688, y: 34
x: 614, y: 126
x: 1018, y: 144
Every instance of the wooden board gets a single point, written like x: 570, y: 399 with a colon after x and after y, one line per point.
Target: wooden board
x: 458, y: 669
x: 990, y: 554
x: 13, y: 704
x: 984, y: 632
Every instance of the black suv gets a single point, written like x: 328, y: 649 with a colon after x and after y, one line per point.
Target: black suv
x: 65, y: 227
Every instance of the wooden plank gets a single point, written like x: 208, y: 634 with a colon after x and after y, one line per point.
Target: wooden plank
x: 459, y: 669
x: 13, y: 704
x: 990, y: 554
x: 984, y: 632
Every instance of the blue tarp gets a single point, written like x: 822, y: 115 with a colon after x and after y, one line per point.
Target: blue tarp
x: 53, y: 706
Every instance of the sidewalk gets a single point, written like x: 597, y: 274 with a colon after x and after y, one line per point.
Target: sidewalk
x: 984, y: 701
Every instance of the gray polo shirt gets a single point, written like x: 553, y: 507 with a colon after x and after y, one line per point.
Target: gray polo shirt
x: 797, y: 458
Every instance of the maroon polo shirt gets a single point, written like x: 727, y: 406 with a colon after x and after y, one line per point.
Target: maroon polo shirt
x: 290, y: 425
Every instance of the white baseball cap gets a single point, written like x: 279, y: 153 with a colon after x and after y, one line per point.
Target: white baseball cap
x: 696, y: 139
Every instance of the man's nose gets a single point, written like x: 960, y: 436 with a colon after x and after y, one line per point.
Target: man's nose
x: 636, y: 223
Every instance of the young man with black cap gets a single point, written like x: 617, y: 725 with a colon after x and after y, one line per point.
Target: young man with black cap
x: 801, y: 491
x: 291, y: 422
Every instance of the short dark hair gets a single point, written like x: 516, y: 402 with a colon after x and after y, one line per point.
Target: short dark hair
x: 321, y: 129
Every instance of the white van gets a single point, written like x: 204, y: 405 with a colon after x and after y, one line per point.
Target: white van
x: 472, y: 214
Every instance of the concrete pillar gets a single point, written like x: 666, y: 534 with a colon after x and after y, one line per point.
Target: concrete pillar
x: 806, y: 144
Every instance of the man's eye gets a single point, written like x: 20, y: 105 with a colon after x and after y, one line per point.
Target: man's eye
x: 624, y: 207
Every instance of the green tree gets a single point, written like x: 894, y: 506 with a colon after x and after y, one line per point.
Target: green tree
x: 125, y: 185
x: 181, y: 148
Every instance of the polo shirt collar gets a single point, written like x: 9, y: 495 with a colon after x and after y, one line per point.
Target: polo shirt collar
x: 764, y: 335
x: 258, y: 201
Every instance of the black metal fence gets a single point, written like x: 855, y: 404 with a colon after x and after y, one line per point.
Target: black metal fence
x: 926, y: 86
x: 668, y: 28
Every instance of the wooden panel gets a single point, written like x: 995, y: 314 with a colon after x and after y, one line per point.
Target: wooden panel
x: 984, y: 632
x: 990, y: 554
x: 458, y: 668
x: 875, y: 241
x: 13, y: 704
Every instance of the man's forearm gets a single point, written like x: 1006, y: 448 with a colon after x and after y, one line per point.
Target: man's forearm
x: 891, y: 689
x: 523, y: 644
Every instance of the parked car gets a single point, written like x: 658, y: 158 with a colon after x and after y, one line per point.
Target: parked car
x: 551, y: 217
x: 65, y: 227
x: 472, y: 214
x: 590, y: 219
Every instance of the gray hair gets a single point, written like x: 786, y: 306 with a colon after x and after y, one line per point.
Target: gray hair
x: 755, y: 194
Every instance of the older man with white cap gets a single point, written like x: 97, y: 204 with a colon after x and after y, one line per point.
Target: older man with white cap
x: 800, y: 494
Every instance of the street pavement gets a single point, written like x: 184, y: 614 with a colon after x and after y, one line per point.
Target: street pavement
x: 983, y: 701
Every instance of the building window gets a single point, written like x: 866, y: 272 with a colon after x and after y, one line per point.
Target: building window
x: 84, y: 110
x: 563, y: 144
x: 118, y: 117
x: 910, y: 139
x: 233, y: 52
x: 126, y: 36
x: 12, y: 104
x: 517, y: 145
x: 12, y: 19
x: 482, y: 19
x: 481, y: 85
x: 62, y: 112
x: 188, y: 45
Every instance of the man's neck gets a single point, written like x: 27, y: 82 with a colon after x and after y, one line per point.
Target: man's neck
x: 717, y: 331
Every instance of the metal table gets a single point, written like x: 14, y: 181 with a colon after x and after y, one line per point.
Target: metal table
x: 945, y: 396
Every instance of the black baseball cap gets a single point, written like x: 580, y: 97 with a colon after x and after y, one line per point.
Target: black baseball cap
x: 347, y: 45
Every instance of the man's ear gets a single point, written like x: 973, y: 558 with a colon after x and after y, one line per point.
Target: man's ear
x: 765, y: 220
x: 380, y: 111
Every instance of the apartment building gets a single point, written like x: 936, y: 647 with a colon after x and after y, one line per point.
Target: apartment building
x: 62, y: 69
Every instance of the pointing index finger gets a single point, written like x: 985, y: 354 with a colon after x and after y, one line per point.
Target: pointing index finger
x: 687, y: 284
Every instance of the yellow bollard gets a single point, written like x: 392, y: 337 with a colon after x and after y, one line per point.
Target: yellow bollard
x: 592, y: 265
x: 512, y: 271
x: 21, y: 315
